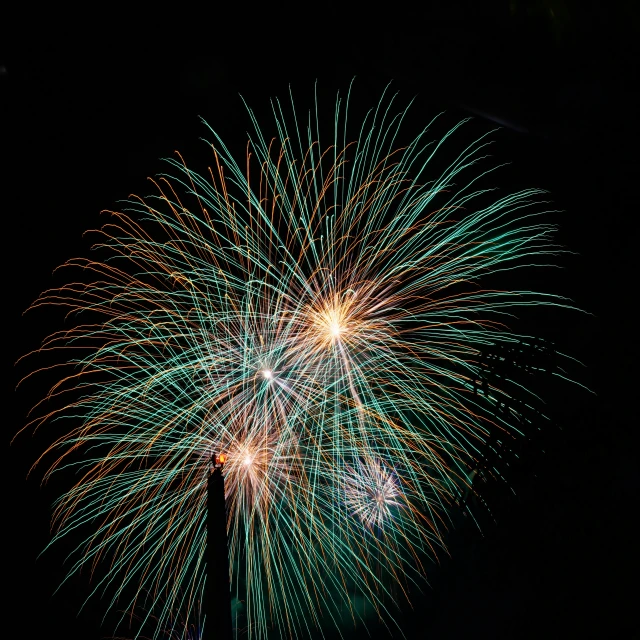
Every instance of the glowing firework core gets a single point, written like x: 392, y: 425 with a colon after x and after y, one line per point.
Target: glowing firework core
x: 331, y: 321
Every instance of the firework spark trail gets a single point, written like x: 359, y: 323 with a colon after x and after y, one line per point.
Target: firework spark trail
x: 316, y: 314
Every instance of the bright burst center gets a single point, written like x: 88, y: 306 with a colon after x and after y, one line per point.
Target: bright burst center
x: 267, y: 374
x: 331, y: 321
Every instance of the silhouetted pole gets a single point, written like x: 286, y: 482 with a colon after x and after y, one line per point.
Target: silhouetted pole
x: 217, y: 588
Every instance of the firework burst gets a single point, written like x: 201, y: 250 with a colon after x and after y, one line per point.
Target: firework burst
x: 315, y: 312
x: 372, y: 493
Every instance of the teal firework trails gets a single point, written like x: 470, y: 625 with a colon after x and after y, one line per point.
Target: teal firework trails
x: 314, y: 311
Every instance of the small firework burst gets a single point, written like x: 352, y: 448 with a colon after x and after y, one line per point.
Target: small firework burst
x: 372, y: 493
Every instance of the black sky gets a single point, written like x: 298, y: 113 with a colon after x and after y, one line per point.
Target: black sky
x: 91, y: 103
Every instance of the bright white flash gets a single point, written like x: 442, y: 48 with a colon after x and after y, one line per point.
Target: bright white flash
x: 267, y: 373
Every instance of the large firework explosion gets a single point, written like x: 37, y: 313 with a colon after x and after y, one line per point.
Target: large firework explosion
x: 316, y: 312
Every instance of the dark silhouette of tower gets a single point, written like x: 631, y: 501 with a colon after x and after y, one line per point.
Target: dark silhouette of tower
x: 217, y: 588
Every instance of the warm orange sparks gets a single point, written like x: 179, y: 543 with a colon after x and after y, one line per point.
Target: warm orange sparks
x: 333, y: 320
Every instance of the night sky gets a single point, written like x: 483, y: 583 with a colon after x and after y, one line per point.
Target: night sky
x: 92, y: 102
